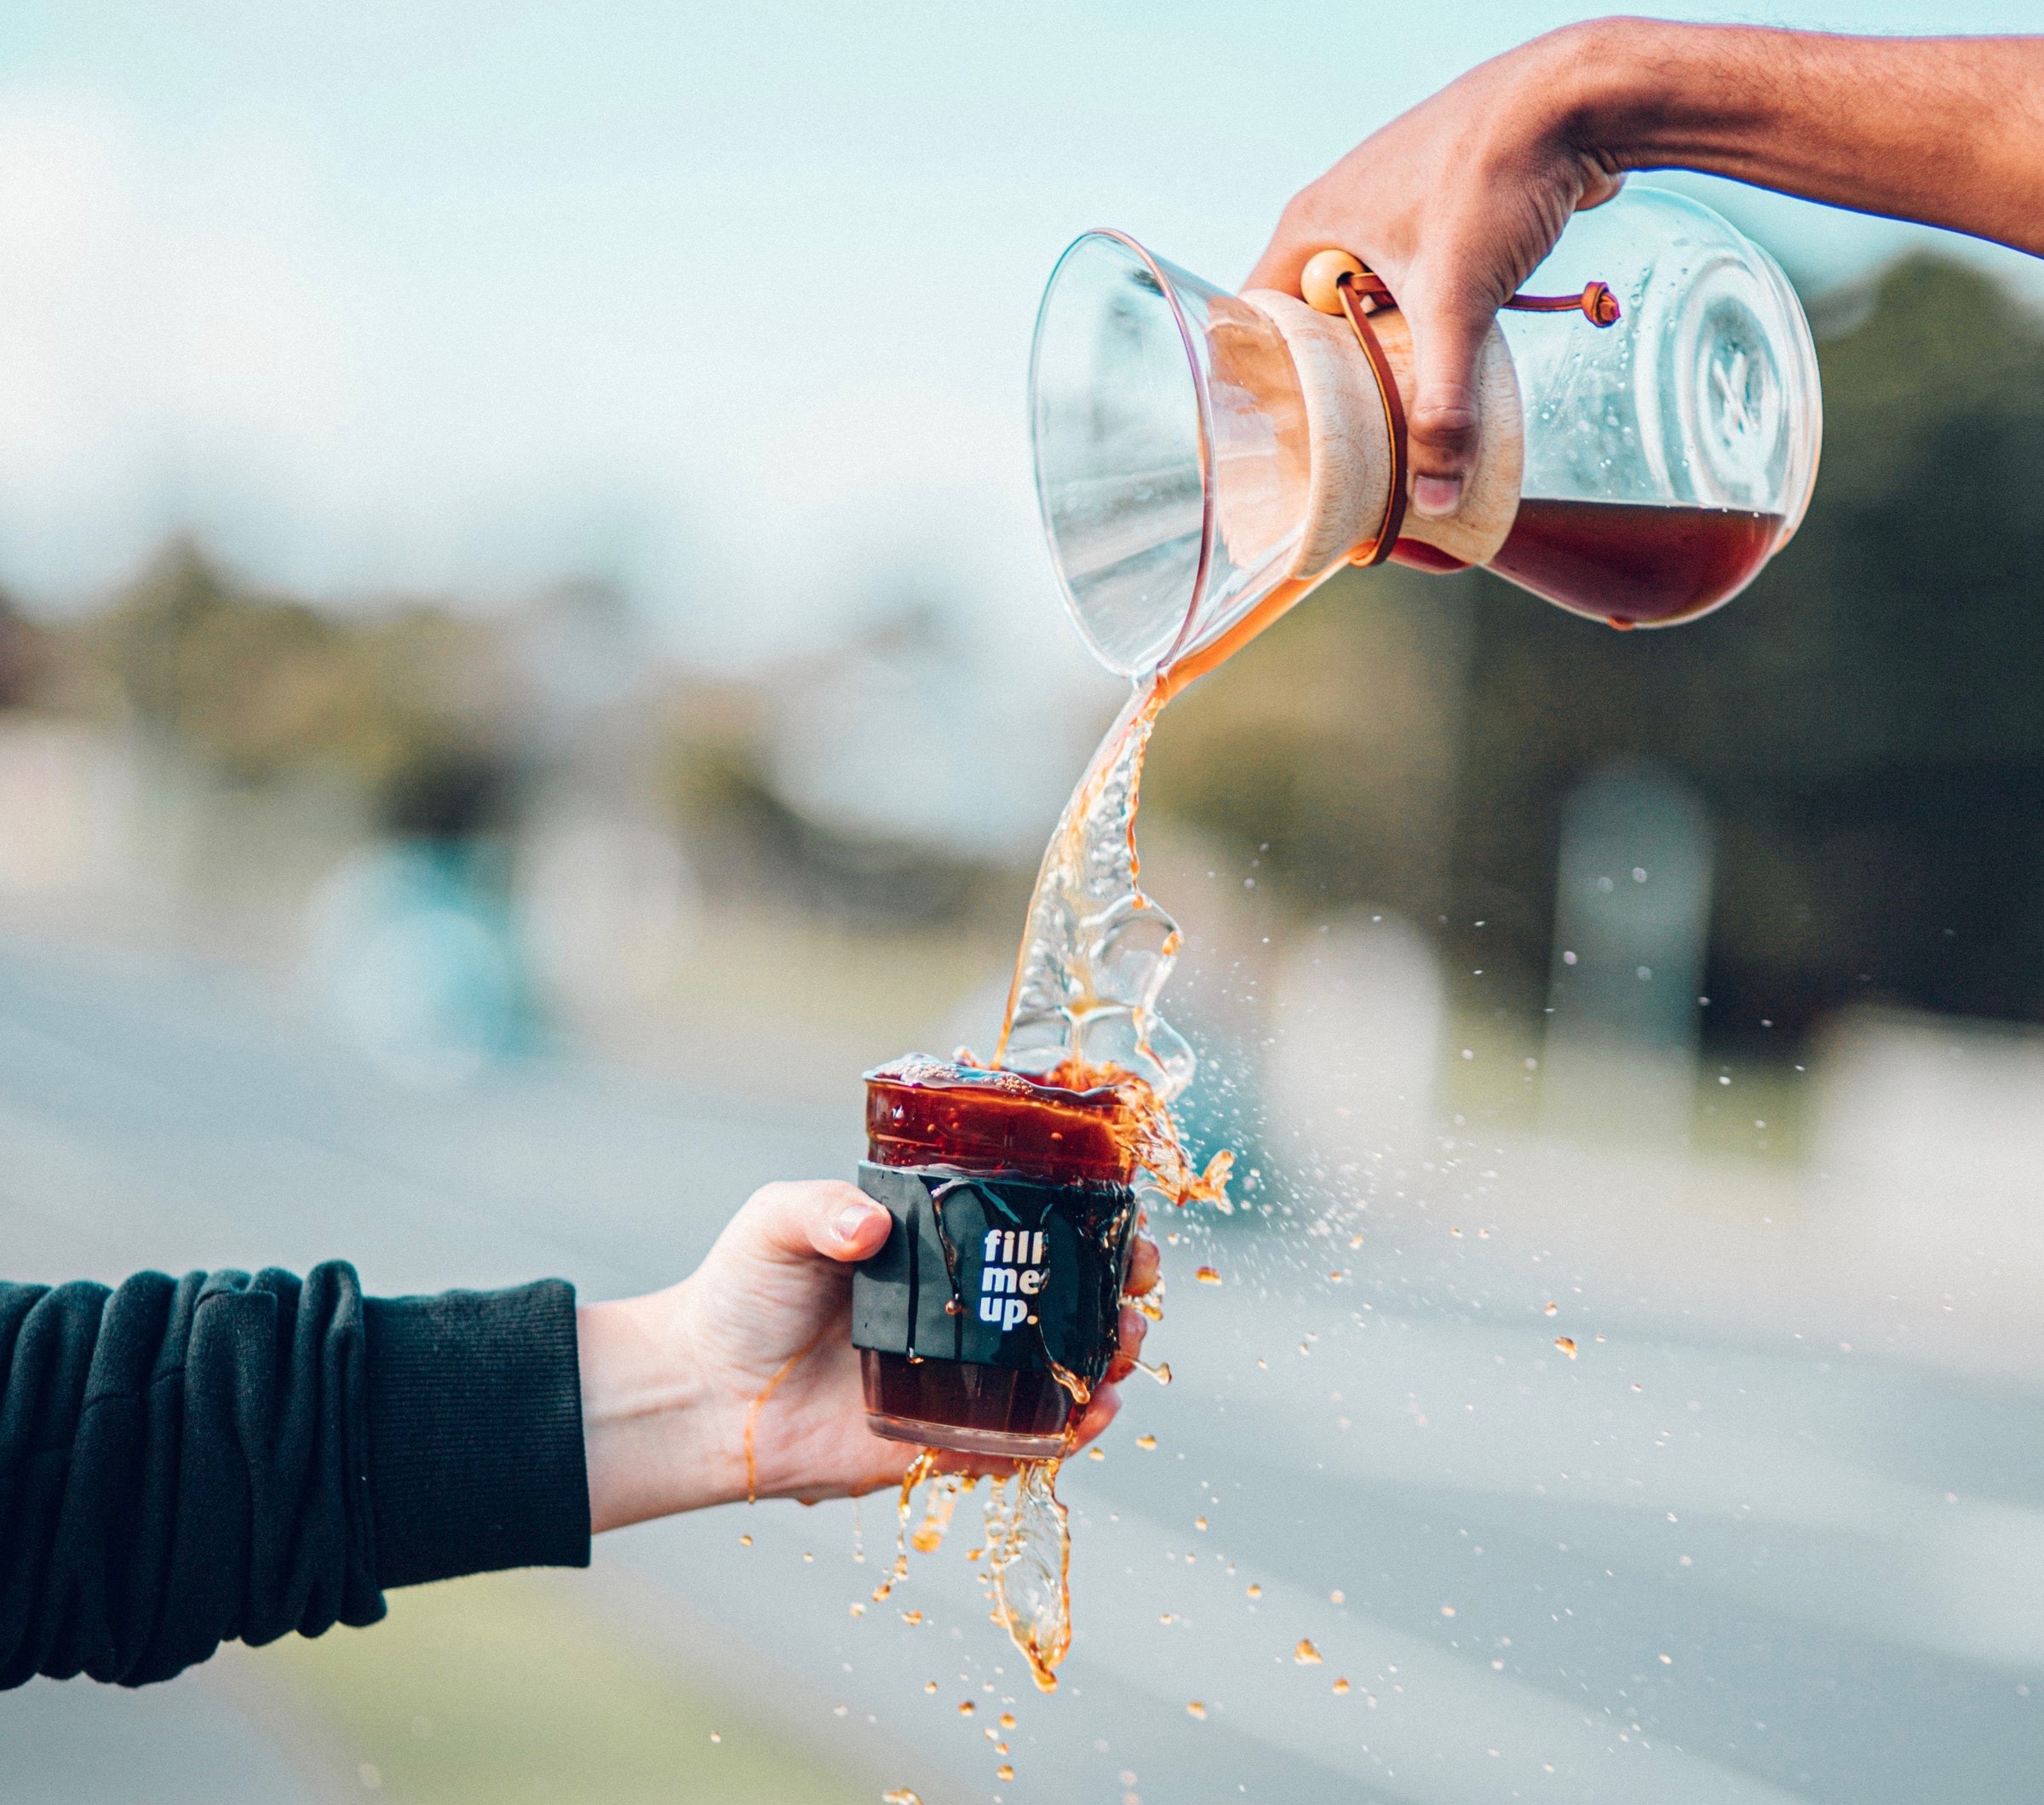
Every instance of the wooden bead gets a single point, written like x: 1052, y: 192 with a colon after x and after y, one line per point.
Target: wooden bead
x: 1320, y: 279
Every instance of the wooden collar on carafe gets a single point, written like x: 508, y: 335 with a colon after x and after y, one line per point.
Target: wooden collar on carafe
x: 1337, y: 281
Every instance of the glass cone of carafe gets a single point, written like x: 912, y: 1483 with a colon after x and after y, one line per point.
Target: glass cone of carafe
x: 1171, y: 451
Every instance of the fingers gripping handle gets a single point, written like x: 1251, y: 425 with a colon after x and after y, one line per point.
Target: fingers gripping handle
x: 1337, y: 283
x: 1354, y: 389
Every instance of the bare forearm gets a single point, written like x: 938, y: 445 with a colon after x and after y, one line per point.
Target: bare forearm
x: 655, y: 1441
x: 1455, y: 203
x: 1945, y: 131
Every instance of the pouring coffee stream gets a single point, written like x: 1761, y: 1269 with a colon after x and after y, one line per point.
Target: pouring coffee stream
x: 1204, y: 462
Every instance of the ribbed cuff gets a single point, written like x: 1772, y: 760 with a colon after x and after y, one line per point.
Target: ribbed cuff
x: 475, y: 1433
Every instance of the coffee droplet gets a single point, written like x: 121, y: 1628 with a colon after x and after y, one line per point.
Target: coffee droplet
x: 1255, y: 1591
x: 1007, y: 1720
x: 911, y: 1617
x: 1566, y: 1345
x: 1342, y: 1687
x: 1207, y: 1275
x: 744, y: 1541
x: 1004, y: 1772
x: 1199, y: 1522
x: 1195, y: 1709
x: 965, y: 1707
x: 1305, y: 1654
x: 1552, y: 1307
x: 1096, y: 1454
x: 1145, y: 1441
x: 901, y: 1796
x: 929, y: 1686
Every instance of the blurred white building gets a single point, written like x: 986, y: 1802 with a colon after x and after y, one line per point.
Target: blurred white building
x: 910, y: 735
x: 1353, y: 1069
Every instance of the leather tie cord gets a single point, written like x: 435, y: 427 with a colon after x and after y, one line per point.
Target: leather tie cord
x: 1597, y: 304
x: 1353, y: 290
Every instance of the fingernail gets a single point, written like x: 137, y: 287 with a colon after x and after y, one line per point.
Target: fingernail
x: 854, y: 1217
x: 1436, y: 495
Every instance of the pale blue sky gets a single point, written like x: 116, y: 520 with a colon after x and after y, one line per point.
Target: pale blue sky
x: 732, y: 304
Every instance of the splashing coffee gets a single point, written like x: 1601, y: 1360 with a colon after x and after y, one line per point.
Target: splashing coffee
x: 992, y: 1312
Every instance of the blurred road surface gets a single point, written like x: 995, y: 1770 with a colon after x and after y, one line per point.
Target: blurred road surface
x: 1711, y: 1557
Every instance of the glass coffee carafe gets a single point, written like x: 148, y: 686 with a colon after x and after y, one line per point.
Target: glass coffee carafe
x: 1651, y: 421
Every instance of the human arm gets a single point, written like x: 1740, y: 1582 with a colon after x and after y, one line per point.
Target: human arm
x: 1455, y: 202
x: 218, y: 1457
x: 670, y: 1381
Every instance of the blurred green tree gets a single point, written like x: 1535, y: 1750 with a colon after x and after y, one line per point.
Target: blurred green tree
x: 413, y: 702
x: 23, y: 655
x: 1330, y: 745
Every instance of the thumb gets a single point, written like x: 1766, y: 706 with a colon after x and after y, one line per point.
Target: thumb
x: 793, y: 1222
x: 1443, y: 425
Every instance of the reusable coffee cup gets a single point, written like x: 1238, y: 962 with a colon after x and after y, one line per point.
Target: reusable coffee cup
x: 993, y: 1309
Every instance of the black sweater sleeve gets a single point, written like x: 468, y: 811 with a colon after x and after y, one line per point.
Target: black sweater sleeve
x: 187, y: 1462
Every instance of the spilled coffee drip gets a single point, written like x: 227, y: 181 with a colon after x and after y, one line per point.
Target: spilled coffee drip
x: 1025, y: 1560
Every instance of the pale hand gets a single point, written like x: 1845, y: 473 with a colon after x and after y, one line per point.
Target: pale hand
x: 669, y: 1380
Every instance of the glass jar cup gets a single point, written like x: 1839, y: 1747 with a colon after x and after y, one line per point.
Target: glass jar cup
x: 994, y: 1308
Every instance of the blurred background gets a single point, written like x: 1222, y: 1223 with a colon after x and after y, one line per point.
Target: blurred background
x: 526, y: 662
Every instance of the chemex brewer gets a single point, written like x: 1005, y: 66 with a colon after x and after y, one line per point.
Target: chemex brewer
x: 1649, y: 433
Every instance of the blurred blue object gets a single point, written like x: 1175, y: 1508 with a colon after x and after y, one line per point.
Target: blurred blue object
x: 416, y: 961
